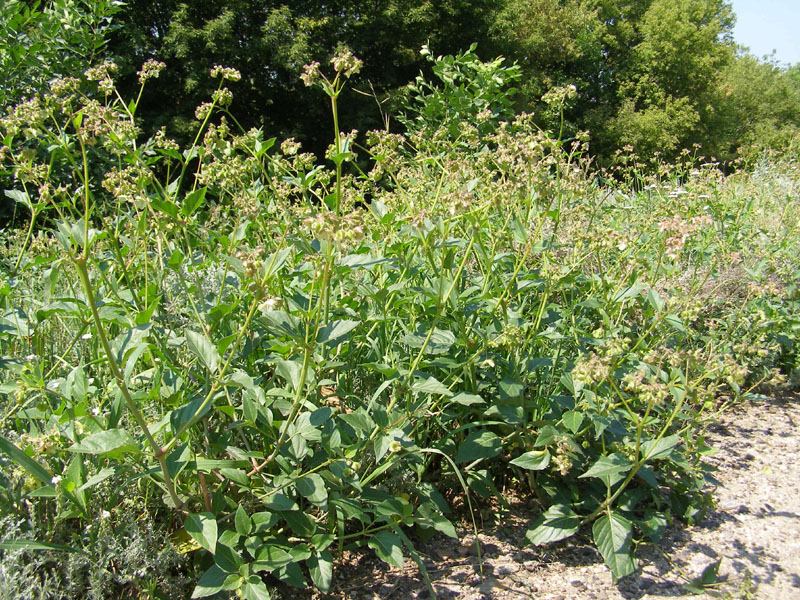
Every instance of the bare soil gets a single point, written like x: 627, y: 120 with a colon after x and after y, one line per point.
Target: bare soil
x: 754, y: 529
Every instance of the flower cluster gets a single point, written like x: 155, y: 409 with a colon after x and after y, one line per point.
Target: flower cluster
x: 290, y: 146
x: 341, y: 230
x: 562, y: 457
x: 591, y: 368
x: 127, y: 184
x: 151, y: 69
x: 648, y: 389
x: 346, y: 63
x: 222, y: 97
x: 102, y: 75
x: 227, y: 73
x: 510, y: 338
x: 311, y: 73
x: 680, y: 230
x: 202, y: 112
x: 559, y: 95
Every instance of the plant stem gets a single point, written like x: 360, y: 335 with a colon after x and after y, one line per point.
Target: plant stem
x: 158, y: 452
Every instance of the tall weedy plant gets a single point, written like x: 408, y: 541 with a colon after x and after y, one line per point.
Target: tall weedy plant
x: 284, y: 368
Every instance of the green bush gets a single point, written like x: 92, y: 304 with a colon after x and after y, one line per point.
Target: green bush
x: 275, y: 366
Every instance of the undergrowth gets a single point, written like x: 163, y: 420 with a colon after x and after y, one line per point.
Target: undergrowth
x: 226, y: 364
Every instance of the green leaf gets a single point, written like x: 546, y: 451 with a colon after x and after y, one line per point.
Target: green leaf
x: 479, y: 444
x: 276, y: 261
x: 609, y: 468
x: 655, y: 300
x: 558, y: 523
x: 440, y: 342
x: 612, y: 534
x: 203, y: 349
x: 270, y: 557
x: 77, y: 385
x: 98, y: 477
x: 359, y: 420
x: 430, y: 385
x: 193, y: 201
x: 535, y: 460
x: 336, y: 332
x: 226, y: 558
x: 279, y: 502
x: 510, y: 388
x: 388, y: 547
x: 34, y: 545
x: 215, y: 580
x: 203, y: 529
x: 254, y: 589
x: 290, y: 370
x: 320, y: 566
x: 313, y: 487
x: 547, y: 435
x: 242, y: 522
x: 25, y: 461
x: 708, y: 577
x: 675, y: 322
x: 572, y: 420
x: 19, y: 196
x: 105, y: 442
x: 654, y: 525
x: 184, y: 414
x: 300, y: 523
x: 467, y: 399
x: 654, y: 449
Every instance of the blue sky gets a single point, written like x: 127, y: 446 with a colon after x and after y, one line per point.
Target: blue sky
x: 767, y: 25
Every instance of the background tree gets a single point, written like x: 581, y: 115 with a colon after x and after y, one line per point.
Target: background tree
x: 269, y: 41
x: 40, y: 42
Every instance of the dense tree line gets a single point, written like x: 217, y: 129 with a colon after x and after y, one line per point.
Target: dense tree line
x: 654, y: 76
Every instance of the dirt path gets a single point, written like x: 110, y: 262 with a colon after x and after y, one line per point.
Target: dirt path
x: 754, y: 530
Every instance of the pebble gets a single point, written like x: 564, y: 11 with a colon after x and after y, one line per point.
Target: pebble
x: 531, y: 565
x: 504, y: 569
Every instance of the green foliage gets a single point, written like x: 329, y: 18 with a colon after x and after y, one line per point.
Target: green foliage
x: 40, y: 43
x: 275, y: 366
x: 467, y: 91
x: 268, y: 41
x: 656, y: 75
x: 43, y: 42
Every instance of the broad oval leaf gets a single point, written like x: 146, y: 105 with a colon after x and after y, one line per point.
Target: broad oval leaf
x: 608, y: 466
x: 479, y: 444
x: 535, y: 460
x: 430, y: 385
x: 320, y: 566
x: 271, y: 556
x: 254, y: 589
x: 613, y: 533
x: 439, y: 343
x: 242, y: 522
x: 105, y: 442
x: 655, y: 449
x: 203, y: 349
x: 336, y: 332
x: 313, y: 488
x: 388, y: 547
x: 215, y: 580
x: 558, y: 523
x: 203, y: 529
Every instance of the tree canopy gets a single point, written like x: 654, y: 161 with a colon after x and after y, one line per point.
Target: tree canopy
x: 652, y: 76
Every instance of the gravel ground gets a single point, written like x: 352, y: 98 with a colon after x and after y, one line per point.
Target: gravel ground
x: 754, y: 530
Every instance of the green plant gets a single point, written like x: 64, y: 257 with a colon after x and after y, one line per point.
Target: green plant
x: 281, y: 368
